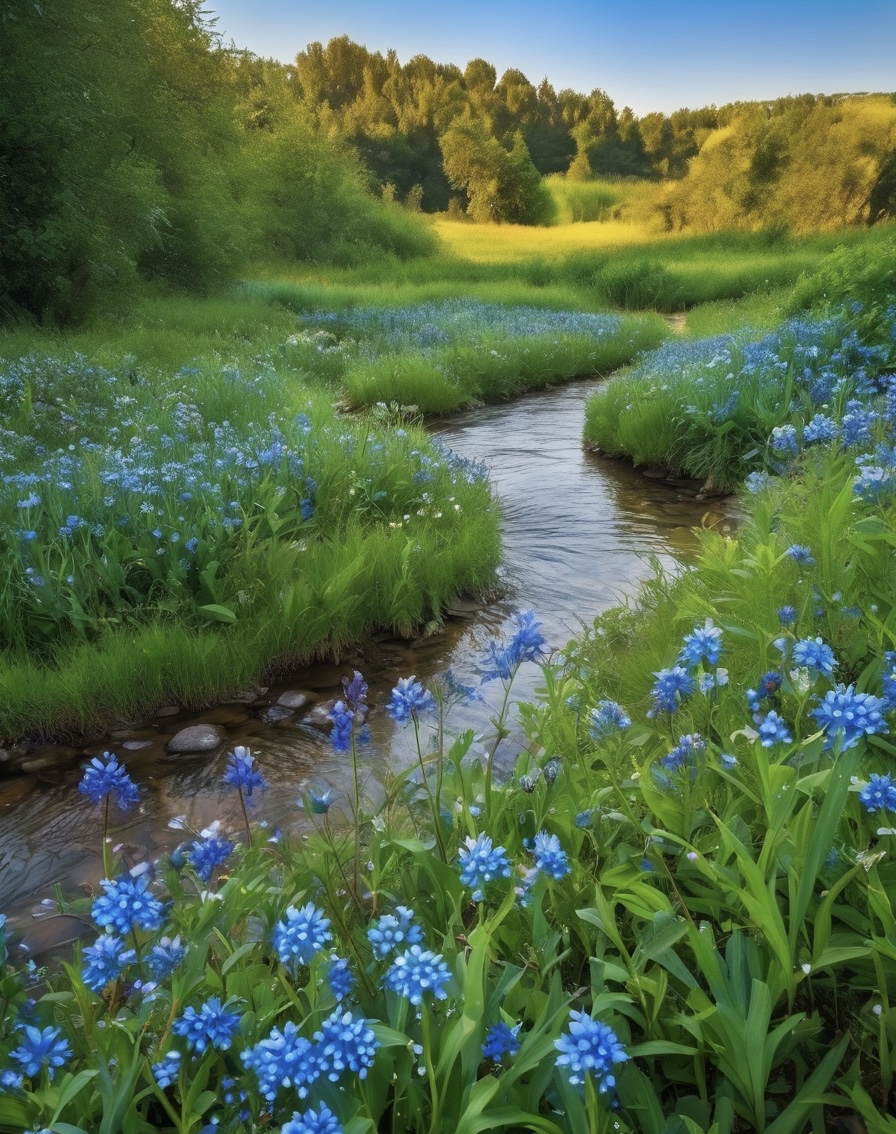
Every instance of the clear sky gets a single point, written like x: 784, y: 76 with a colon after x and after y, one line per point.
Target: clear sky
x: 646, y: 54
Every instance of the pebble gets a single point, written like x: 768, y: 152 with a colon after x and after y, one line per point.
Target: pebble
x: 295, y: 699
x: 197, y: 738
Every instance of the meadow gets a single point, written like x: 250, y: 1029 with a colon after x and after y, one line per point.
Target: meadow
x: 674, y: 914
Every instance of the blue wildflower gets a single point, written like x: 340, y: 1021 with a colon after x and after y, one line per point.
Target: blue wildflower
x: 127, y: 903
x: 165, y: 956
x: 322, y: 1121
x: 345, y: 1043
x: 671, y: 688
x: 409, y: 699
x: 820, y: 428
x: 800, y: 554
x: 773, y: 730
x: 214, y: 1025
x: 784, y: 441
x: 417, y: 971
x: 481, y: 863
x: 283, y: 1059
x: 879, y: 794
x: 847, y: 716
x: 340, y: 977
x: 816, y: 655
x: 728, y: 761
x: 356, y: 692
x: 501, y: 1040
x: 166, y: 1071
x: 209, y: 852
x: 341, y: 733
x: 104, y: 776
x: 318, y: 801
x: 39, y: 1048
x: 856, y: 426
x: 787, y: 615
x: 607, y: 718
x: 301, y: 935
x: 550, y: 858
x: 11, y: 1081
x: 756, y: 482
x: 242, y: 774
x: 702, y: 642
x: 589, y: 1046
x: 687, y: 751
x: 105, y: 961
x: 888, y: 677
x: 584, y: 820
x: 527, y: 644
x: 391, y: 931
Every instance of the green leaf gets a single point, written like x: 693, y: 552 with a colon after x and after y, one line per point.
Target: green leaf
x: 217, y: 613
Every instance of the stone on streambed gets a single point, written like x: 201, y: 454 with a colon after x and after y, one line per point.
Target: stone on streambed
x: 196, y: 739
x: 295, y: 699
x: 57, y: 757
x: 273, y: 714
x: 316, y: 717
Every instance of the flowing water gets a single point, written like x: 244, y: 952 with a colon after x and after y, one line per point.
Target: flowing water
x: 579, y: 533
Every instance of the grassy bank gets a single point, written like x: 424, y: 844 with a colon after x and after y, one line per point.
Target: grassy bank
x: 172, y: 537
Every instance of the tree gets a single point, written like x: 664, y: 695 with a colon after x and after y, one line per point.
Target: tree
x: 500, y: 185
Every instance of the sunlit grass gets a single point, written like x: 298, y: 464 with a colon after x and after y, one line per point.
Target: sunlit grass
x: 497, y: 243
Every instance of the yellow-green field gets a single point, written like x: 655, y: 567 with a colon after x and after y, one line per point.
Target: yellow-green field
x: 497, y: 243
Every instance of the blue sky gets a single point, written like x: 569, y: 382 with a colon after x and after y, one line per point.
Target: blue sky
x: 646, y: 54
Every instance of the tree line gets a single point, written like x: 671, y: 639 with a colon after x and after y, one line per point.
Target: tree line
x: 135, y: 146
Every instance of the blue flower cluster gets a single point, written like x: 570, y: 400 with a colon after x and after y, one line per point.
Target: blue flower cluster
x: 105, y: 777
x: 214, y: 1025
x: 300, y: 935
x: 127, y: 904
x: 322, y: 1121
x: 846, y: 716
x: 39, y: 1048
x: 550, y: 857
x: 392, y: 931
x: 608, y: 718
x: 417, y: 972
x: 105, y: 961
x: 526, y: 644
x: 481, y: 863
x: 409, y: 699
x: 501, y: 1040
x: 879, y: 794
x: 589, y: 1047
x: 243, y: 774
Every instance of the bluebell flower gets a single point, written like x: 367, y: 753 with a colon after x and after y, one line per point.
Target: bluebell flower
x: 165, y: 956
x: 800, y: 554
x: 671, y: 688
x: 242, y: 774
x: 589, y: 1047
x: 345, y: 1043
x: 104, y: 776
x: 584, y: 820
x: 341, y: 733
x: 340, y: 977
x: 756, y: 482
x: 356, y: 692
x: 607, y: 718
x: 392, y: 931
x: 550, y: 857
x: 322, y: 1121
x: 301, y: 935
x: 105, y: 961
x: 409, y: 699
x: 857, y: 425
x: 127, y: 903
x: 283, y: 1059
x: 527, y: 644
x: 481, y: 863
x: 11, y: 1081
x: 783, y: 440
x: 879, y: 794
x: 687, y: 751
x: 888, y: 677
x: 166, y: 1071
x: 317, y: 801
x: 417, y: 971
x: 214, y: 1025
x: 787, y: 615
x: 846, y: 716
x: 501, y: 1040
x: 816, y: 655
x: 209, y: 852
x: 704, y: 642
x: 39, y: 1048
x: 773, y: 730
x: 820, y: 428
x: 728, y: 761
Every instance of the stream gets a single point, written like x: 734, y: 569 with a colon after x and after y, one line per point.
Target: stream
x: 579, y: 533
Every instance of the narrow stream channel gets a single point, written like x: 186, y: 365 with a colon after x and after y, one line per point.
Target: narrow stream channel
x: 579, y: 532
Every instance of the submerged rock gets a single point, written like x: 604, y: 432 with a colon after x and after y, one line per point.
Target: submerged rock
x: 197, y: 738
x: 295, y: 699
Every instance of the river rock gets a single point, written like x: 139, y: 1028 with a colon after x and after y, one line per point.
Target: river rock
x: 4, y: 756
x: 316, y: 716
x: 59, y: 757
x: 274, y: 713
x: 136, y: 745
x: 295, y: 699
x: 197, y: 738
x: 247, y: 696
x: 168, y: 711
